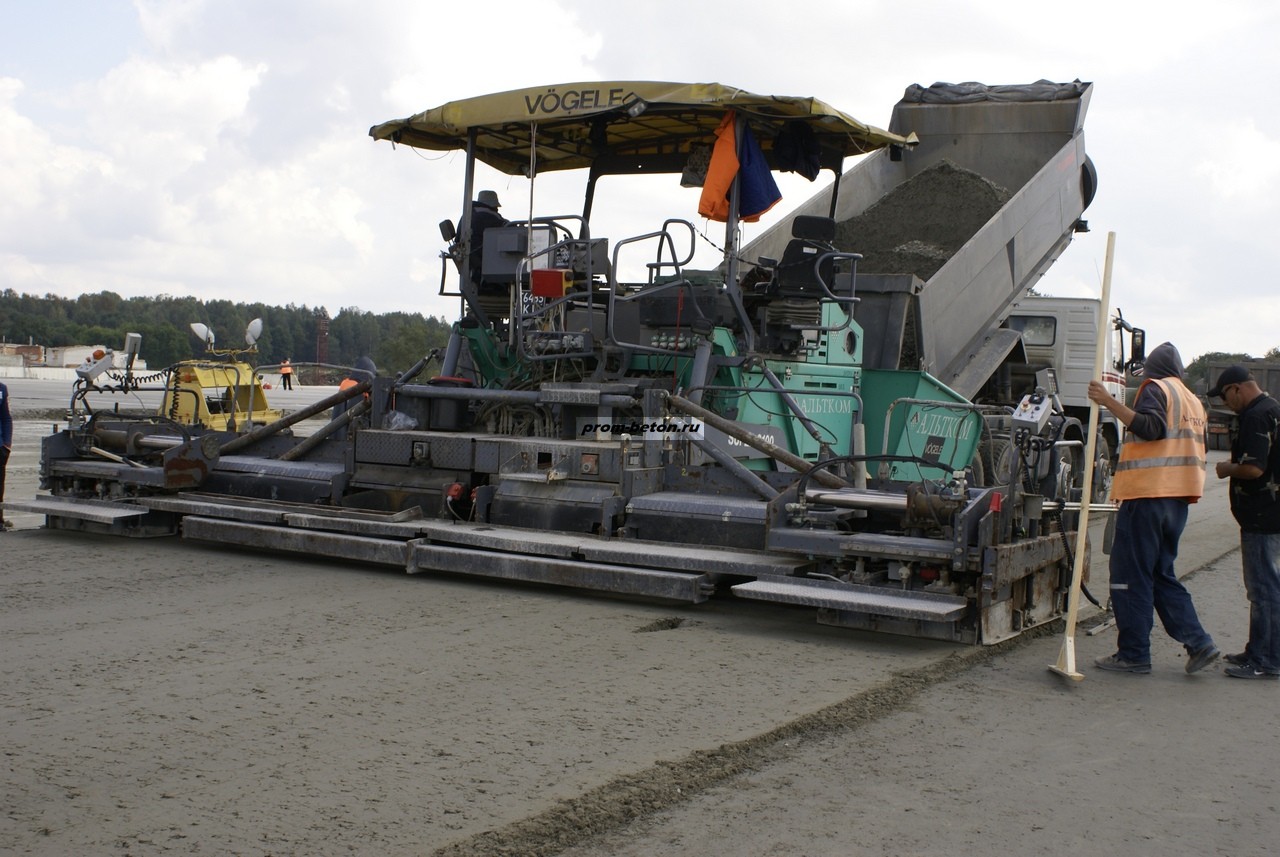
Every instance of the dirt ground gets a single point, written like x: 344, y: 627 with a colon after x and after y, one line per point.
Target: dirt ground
x: 167, y: 698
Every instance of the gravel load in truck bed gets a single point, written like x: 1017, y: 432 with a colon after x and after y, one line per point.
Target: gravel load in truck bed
x: 922, y: 222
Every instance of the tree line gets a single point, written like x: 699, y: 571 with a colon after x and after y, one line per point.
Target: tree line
x: 1197, y: 371
x: 395, y: 341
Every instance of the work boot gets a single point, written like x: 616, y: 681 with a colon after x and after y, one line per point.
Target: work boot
x: 1201, y: 658
x: 1248, y: 670
x: 1116, y: 664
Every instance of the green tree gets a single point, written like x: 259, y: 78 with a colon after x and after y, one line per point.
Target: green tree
x: 408, y: 338
x: 353, y: 333
x: 163, y: 344
x: 394, y: 340
x: 1198, y: 370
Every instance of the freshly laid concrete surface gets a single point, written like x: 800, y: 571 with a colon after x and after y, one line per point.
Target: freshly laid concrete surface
x: 1007, y: 758
x: 160, y: 697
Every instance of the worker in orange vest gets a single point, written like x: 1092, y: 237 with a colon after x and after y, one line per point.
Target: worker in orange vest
x: 364, y: 370
x: 286, y: 375
x: 1160, y: 473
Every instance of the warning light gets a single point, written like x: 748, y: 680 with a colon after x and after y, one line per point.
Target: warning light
x: 552, y: 282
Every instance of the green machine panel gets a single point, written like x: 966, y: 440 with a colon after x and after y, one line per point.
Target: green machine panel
x: 926, y: 421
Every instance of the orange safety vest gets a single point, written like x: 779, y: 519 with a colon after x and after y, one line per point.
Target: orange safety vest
x: 1172, y: 466
x: 285, y: 368
x: 348, y: 383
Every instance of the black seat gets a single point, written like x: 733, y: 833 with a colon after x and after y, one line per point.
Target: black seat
x: 811, y: 236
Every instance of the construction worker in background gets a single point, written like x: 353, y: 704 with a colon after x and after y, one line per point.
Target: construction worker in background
x: 286, y: 375
x: 1254, y: 470
x: 6, y: 446
x: 364, y: 370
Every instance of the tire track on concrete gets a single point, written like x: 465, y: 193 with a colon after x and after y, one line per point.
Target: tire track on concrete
x: 667, y: 783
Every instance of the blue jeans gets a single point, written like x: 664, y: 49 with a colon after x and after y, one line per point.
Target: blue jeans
x: 1142, y: 578
x: 1260, y: 556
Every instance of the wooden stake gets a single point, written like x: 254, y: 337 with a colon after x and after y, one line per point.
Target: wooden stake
x: 1066, y: 664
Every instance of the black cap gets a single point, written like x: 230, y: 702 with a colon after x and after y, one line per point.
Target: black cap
x: 1236, y: 374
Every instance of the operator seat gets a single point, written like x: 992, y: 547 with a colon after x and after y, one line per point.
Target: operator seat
x: 811, y: 236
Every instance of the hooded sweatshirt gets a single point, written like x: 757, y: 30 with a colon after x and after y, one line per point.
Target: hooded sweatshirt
x: 1150, y: 404
x: 1158, y: 462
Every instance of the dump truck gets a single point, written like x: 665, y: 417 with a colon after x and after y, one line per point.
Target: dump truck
x: 956, y: 238
x: 780, y: 428
x: 1223, y: 422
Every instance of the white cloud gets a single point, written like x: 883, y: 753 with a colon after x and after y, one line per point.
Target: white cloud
x: 42, y: 179
x: 161, y: 118
x: 1242, y: 168
x: 164, y: 22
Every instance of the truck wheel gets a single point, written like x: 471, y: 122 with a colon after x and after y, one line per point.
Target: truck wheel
x: 979, y: 468
x: 1069, y: 479
x: 1101, y: 471
x: 998, y: 462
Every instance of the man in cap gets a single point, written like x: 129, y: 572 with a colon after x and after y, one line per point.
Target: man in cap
x: 484, y: 215
x: 1160, y: 473
x: 1255, y: 503
x: 6, y: 446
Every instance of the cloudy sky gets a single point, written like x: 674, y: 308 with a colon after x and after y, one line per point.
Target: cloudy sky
x: 220, y: 148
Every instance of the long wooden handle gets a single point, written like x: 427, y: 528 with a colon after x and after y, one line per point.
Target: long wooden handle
x: 1066, y: 664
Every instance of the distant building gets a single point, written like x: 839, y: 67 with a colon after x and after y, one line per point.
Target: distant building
x: 72, y: 356
x: 13, y: 354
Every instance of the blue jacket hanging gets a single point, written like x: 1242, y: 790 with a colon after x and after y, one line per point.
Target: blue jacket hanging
x: 731, y: 156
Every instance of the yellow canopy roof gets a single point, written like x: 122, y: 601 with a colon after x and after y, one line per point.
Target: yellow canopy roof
x: 575, y: 124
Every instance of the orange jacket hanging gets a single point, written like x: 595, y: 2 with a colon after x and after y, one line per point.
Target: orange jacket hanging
x: 758, y: 191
